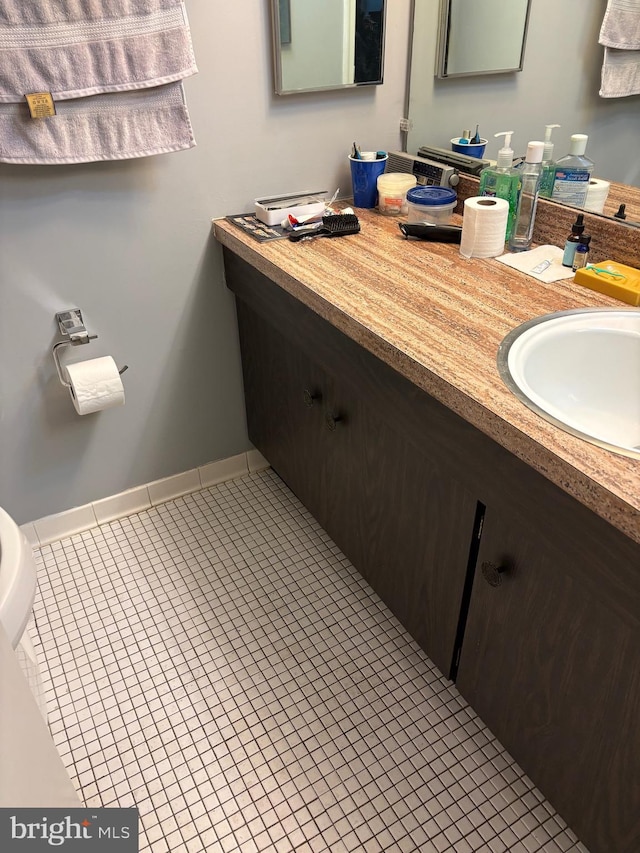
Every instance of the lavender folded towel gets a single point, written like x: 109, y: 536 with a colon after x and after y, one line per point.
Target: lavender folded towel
x: 114, y: 69
x: 75, y: 49
x: 620, y: 35
x: 620, y: 73
x: 621, y: 25
x: 103, y: 127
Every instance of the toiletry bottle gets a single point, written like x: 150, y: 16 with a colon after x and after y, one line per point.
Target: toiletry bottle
x: 582, y: 253
x: 475, y: 140
x: 548, y: 176
x: 530, y: 174
x: 572, y: 241
x: 502, y: 180
x: 573, y: 173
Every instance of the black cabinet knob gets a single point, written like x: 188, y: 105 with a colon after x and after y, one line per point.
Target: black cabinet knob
x: 332, y: 420
x: 310, y: 397
x: 492, y: 573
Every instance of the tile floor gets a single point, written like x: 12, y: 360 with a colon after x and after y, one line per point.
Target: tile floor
x: 218, y: 662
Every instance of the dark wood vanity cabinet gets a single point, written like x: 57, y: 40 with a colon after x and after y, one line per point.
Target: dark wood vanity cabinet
x: 523, y: 595
x: 551, y: 663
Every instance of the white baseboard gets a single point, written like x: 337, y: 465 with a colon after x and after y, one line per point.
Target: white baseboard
x: 45, y: 530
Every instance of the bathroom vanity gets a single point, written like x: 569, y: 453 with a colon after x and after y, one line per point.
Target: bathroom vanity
x: 508, y: 548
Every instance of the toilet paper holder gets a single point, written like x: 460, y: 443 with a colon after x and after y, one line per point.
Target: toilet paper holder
x: 72, y: 326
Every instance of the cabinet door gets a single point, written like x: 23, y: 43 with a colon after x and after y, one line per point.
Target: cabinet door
x: 411, y: 524
x: 554, y: 671
x: 284, y: 405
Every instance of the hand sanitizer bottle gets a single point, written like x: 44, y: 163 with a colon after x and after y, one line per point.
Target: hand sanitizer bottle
x: 502, y: 180
x: 530, y: 174
x: 573, y: 173
x: 548, y: 176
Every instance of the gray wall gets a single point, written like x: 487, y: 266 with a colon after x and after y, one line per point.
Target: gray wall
x: 558, y: 85
x: 130, y: 244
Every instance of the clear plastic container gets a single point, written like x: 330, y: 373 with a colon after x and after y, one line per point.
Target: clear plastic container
x: 392, y: 192
x: 431, y: 204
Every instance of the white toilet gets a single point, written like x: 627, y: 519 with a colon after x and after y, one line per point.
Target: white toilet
x: 17, y: 592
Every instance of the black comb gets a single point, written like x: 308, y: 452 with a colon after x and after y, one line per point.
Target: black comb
x: 336, y: 225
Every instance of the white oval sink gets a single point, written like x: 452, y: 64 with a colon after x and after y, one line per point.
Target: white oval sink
x: 17, y: 579
x: 581, y: 371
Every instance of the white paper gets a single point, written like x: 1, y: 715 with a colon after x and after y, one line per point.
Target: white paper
x: 527, y: 261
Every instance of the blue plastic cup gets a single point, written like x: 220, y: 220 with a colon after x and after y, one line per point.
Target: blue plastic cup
x: 364, y: 180
x: 469, y: 149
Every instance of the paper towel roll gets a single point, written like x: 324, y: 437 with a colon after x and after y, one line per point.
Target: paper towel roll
x: 95, y: 385
x: 597, y: 195
x: 484, y: 227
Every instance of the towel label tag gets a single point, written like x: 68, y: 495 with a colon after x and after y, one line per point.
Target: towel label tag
x: 41, y: 104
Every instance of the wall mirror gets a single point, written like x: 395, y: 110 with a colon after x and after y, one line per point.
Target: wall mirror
x: 327, y: 44
x: 500, y: 49
x: 559, y: 84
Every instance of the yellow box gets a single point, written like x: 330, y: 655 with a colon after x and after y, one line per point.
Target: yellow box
x: 613, y: 279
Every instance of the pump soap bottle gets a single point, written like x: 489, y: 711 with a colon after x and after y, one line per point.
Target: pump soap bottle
x: 573, y: 173
x: 572, y: 241
x: 530, y: 173
x: 548, y: 176
x: 503, y: 180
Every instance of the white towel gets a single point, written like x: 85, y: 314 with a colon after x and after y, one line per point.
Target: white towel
x: 620, y: 35
x: 620, y: 73
x: 115, y: 126
x: 113, y: 68
x: 77, y: 48
x: 621, y: 25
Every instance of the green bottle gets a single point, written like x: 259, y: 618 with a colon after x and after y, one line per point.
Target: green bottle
x: 503, y: 181
x: 548, y: 176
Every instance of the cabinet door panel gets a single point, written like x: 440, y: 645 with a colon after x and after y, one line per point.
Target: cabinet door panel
x: 281, y: 423
x: 554, y: 674
x: 415, y: 525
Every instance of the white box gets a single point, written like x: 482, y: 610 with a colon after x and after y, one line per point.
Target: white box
x: 273, y: 210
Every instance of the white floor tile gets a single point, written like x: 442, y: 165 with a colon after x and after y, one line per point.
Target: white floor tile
x: 230, y: 673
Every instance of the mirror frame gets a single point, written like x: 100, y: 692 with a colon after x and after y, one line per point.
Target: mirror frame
x: 276, y: 45
x: 442, y: 52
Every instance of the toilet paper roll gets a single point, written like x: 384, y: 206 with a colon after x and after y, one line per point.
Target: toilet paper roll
x: 95, y: 385
x: 597, y: 195
x: 484, y: 227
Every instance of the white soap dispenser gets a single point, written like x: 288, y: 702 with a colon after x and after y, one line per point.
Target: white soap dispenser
x: 548, y: 176
x: 531, y: 172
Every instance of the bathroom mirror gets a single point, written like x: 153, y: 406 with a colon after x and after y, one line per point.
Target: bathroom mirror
x: 500, y: 49
x: 559, y: 84
x: 327, y: 44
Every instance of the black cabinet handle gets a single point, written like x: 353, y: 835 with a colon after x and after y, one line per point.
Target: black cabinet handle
x: 492, y: 573
x: 310, y: 397
x: 332, y: 421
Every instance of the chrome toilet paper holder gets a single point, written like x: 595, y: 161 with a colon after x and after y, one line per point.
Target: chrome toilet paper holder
x: 72, y: 326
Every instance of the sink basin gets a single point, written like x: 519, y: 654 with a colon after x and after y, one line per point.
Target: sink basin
x: 17, y: 579
x: 580, y: 370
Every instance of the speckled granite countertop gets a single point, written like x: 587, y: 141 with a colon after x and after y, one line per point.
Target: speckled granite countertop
x: 438, y: 320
